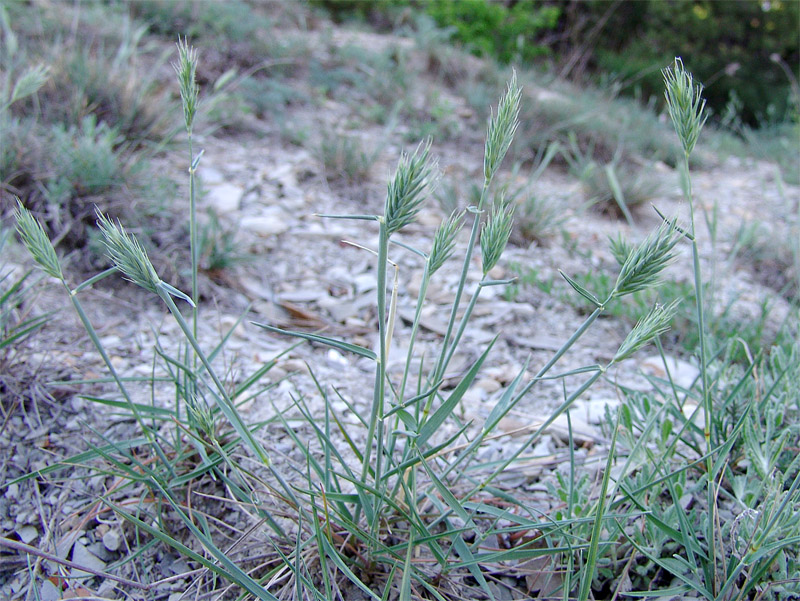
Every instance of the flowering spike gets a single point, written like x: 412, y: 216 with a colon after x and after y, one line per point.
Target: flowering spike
x: 685, y: 104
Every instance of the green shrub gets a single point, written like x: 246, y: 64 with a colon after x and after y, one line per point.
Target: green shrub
x: 739, y: 49
x: 493, y: 29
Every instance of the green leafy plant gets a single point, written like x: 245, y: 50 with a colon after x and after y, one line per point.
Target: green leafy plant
x: 494, y: 29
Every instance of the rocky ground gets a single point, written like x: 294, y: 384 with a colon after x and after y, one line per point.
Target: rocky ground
x: 301, y: 273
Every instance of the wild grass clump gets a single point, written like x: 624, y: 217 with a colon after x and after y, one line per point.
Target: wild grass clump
x: 596, y: 119
x: 346, y: 158
x: 77, y: 118
x: 402, y: 503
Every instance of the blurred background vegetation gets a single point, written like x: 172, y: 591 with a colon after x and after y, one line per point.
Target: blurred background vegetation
x: 746, y: 52
x: 87, y: 104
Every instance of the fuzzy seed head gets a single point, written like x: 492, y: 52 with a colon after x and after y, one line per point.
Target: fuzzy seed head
x: 127, y: 254
x: 29, y: 83
x: 36, y: 241
x: 502, y: 128
x: 187, y: 81
x: 620, y: 248
x: 413, y: 181
x: 443, y: 241
x: 644, y: 264
x: 655, y: 323
x: 685, y: 103
x: 495, y: 234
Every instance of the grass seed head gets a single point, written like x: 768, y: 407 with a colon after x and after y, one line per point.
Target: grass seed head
x: 443, y: 241
x: 187, y: 80
x: 685, y: 103
x: 502, y: 128
x: 127, y: 254
x: 620, y: 248
x: 495, y: 234
x: 644, y: 264
x: 655, y: 323
x: 37, y: 242
x: 413, y: 181
x: 29, y: 83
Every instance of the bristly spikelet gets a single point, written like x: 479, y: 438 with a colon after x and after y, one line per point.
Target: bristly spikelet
x: 128, y: 255
x: 443, y: 241
x: 187, y: 80
x: 685, y: 104
x: 495, y: 234
x: 37, y: 242
x: 29, y: 83
x: 413, y: 181
x: 655, y: 323
x: 620, y: 248
x: 644, y: 264
x: 502, y: 128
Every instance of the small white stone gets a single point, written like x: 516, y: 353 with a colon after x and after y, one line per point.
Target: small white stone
x: 27, y: 534
x: 683, y: 373
x: 49, y: 592
x: 266, y: 224
x: 488, y: 385
x: 112, y: 540
x: 209, y: 175
x: 12, y: 491
x: 82, y: 557
x: 364, y: 282
x: 224, y: 198
x: 595, y: 409
x: 472, y: 397
x: 335, y: 356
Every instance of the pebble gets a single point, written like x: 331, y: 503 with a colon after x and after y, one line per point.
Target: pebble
x: 594, y: 410
x: 12, y: 491
x: 488, y: 385
x: 83, y: 557
x: 27, y: 534
x: 683, y: 373
x: 112, y: 540
x: 224, y: 198
x: 337, y: 358
x: 270, y: 222
x: 49, y: 592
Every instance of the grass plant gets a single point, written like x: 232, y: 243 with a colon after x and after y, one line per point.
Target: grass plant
x: 345, y: 158
x: 402, y: 504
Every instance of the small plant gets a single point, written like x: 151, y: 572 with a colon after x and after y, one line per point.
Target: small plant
x: 619, y: 188
x: 88, y: 162
x: 346, y: 159
x: 218, y: 246
x: 538, y: 219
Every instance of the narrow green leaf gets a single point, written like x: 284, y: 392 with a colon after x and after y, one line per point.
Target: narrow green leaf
x: 591, y: 562
x: 448, y: 497
x: 332, y: 342
x: 469, y: 561
x: 504, y: 405
x: 445, y: 409
x: 582, y: 291
x: 336, y: 558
